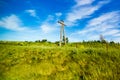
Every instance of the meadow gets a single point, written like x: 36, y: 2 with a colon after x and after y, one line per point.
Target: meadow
x: 48, y: 61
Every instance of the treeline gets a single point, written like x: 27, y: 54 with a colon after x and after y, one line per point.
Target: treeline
x: 46, y: 42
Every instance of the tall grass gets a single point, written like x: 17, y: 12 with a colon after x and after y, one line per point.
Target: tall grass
x: 71, y: 62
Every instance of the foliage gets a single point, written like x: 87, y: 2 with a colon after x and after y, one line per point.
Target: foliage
x: 44, y: 40
x: 67, y: 40
x: 47, y: 61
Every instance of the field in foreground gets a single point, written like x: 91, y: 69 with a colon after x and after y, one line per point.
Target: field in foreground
x: 47, y: 61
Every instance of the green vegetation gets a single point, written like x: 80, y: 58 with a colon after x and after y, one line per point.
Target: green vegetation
x: 47, y: 61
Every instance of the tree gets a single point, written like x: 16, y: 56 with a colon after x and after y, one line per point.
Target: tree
x: 98, y: 41
x: 112, y: 42
x: 37, y: 41
x: 63, y: 39
x: 44, y: 40
x: 67, y: 40
x: 57, y: 42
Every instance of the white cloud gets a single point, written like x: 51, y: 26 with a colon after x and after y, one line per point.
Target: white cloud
x: 47, y: 28
x: 58, y: 14
x: 83, y: 2
x: 111, y: 32
x: 12, y: 22
x: 49, y: 18
x: 49, y: 25
x: 83, y: 9
x: 111, y: 17
x: 107, y: 24
x: 31, y: 12
x: 117, y: 35
x: 81, y: 13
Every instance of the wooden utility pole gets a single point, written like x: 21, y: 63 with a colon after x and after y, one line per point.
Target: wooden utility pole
x: 62, y: 33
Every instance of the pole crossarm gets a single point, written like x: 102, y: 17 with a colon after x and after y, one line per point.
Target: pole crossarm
x: 62, y: 23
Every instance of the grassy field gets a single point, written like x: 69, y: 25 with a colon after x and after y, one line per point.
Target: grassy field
x: 47, y: 61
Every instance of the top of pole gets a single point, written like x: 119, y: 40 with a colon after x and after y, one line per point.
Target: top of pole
x: 61, y: 22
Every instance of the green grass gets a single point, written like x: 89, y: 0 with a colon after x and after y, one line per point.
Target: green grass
x: 51, y: 62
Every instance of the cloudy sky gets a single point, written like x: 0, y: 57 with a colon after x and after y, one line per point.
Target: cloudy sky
x: 31, y: 20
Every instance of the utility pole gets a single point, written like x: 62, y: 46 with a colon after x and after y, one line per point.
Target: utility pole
x: 62, y: 33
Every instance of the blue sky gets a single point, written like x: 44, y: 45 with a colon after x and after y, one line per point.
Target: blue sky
x: 31, y: 20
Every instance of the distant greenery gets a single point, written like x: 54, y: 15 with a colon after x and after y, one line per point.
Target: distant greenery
x: 43, y: 60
